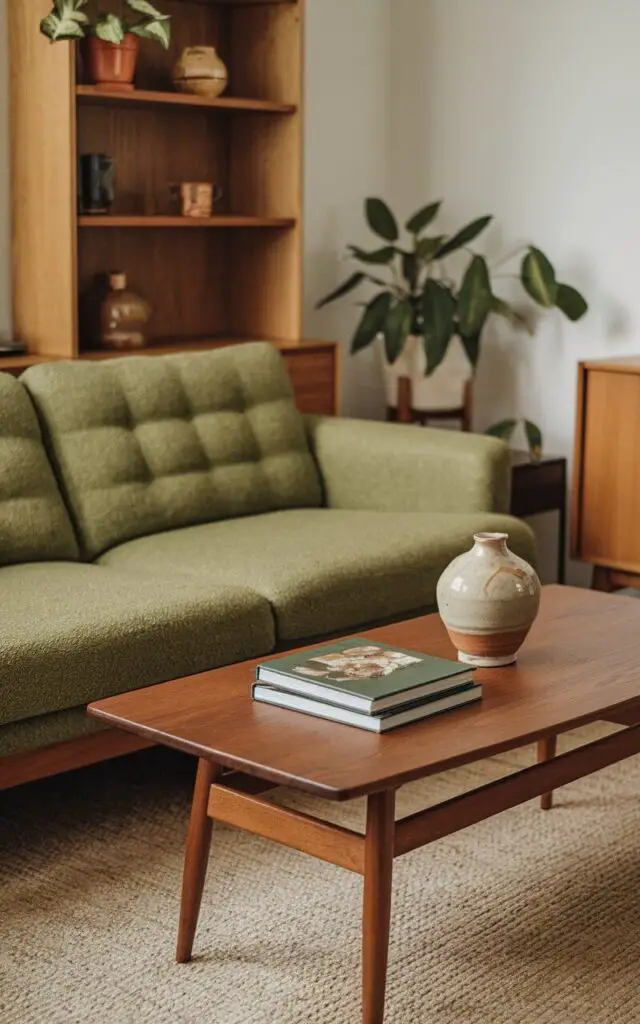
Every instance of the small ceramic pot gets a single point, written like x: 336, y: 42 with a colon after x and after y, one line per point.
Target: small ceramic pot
x: 113, y: 65
x: 201, y: 71
x: 488, y: 599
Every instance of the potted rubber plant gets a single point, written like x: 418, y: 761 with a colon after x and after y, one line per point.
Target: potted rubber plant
x: 430, y: 317
x: 112, y: 40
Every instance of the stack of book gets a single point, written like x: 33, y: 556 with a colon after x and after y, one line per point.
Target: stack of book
x: 371, y: 686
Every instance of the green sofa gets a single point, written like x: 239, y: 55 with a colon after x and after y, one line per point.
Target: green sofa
x: 159, y: 517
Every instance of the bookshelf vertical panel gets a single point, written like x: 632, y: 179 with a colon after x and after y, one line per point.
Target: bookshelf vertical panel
x: 264, y: 301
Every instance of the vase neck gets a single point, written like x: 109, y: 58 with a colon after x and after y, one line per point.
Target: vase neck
x: 487, y: 544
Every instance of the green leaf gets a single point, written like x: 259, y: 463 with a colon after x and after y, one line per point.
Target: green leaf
x: 428, y: 247
x: 58, y: 30
x: 474, y: 300
x: 472, y: 348
x: 110, y: 29
x: 381, y: 220
x: 571, y: 302
x: 515, y: 318
x: 438, y: 311
x: 423, y: 218
x: 379, y: 256
x: 410, y: 269
x: 397, y: 329
x: 534, y: 439
x: 343, y: 289
x: 503, y: 429
x: 464, y: 236
x: 144, y: 7
x: 539, y: 278
x: 372, y: 322
x: 160, y: 31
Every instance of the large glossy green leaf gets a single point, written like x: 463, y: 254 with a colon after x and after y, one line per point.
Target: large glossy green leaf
x: 428, y: 247
x: 343, y: 289
x: 423, y: 218
x: 149, y: 11
x: 381, y: 220
x: 397, y: 329
x: 160, y: 31
x: 534, y: 438
x: 571, y: 302
x: 539, y: 278
x: 503, y: 429
x: 466, y: 235
x: 438, y: 312
x: 373, y: 321
x: 472, y: 347
x: 110, y: 29
x: 511, y: 314
x: 475, y: 298
x: 377, y: 256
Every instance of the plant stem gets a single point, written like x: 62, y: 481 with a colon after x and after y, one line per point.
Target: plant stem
x: 509, y: 256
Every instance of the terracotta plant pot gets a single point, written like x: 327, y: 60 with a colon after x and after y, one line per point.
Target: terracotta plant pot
x: 113, y: 65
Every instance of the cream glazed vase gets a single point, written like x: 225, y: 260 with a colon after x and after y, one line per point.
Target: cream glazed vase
x: 488, y: 599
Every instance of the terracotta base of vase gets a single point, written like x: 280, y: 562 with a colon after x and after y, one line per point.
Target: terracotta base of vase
x: 488, y: 650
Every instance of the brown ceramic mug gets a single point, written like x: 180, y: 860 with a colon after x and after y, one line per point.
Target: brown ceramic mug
x: 195, y: 198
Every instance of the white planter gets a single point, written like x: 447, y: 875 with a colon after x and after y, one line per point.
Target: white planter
x: 444, y: 389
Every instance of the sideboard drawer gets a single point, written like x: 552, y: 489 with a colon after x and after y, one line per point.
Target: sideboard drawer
x: 313, y: 372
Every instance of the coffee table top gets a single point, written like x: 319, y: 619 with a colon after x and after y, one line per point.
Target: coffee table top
x: 580, y: 662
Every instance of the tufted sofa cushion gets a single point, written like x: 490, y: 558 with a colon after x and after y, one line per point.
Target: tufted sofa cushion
x: 34, y: 524
x: 143, y: 445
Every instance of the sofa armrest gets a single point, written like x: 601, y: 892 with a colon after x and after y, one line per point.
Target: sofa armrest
x: 393, y: 467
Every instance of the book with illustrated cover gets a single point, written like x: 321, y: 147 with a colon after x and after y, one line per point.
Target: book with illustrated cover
x: 364, y: 676
x: 403, y: 714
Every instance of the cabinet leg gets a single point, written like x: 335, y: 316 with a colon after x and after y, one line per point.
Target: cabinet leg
x: 196, y: 859
x: 601, y: 580
x: 376, y: 920
x: 546, y: 750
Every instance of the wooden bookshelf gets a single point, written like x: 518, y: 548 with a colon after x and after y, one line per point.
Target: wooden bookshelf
x: 234, y: 276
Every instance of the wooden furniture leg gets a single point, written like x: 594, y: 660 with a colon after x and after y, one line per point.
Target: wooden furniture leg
x: 378, y: 874
x: 601, y: 580
x: 196, y: 858
x: 546, y: 751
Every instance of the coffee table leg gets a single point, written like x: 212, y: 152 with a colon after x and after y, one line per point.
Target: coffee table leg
x: 378, y: 873
x: 196, y: 858
x: 547, y: 750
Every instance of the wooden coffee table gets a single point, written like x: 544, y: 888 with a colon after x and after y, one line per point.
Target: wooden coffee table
x: 579, y: 664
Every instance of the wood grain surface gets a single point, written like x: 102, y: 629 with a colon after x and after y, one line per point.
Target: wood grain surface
x: 579, y: 663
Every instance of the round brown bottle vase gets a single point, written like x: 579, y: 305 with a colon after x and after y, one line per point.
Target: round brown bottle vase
x: 488, y: 599
x: 113, y: 65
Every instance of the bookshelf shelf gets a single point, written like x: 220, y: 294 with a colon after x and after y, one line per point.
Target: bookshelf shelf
x: 92, y: 94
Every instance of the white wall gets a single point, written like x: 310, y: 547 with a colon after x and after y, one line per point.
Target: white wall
x: 5, y: 316
x: 530, y: 111
x: 348, y: 91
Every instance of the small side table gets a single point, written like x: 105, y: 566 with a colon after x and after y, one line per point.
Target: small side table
x: 541, y: 486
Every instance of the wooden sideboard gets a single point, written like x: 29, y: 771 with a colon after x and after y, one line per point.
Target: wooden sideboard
x: 605, y: 514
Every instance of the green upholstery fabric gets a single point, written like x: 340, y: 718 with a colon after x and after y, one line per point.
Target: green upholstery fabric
x: 399, y: 468
x: 43, y: 731
x: 321, y: 569
x: 73, y: 633
x: 143, y: 445
x: 34, y: 524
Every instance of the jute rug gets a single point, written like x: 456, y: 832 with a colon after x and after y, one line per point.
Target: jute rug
x: 528, y: 918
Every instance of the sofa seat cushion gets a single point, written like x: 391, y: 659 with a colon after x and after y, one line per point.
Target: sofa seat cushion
x: 142, y: 445
x: 34, y: 524
x: 322, y: 570
x: 73, y: 633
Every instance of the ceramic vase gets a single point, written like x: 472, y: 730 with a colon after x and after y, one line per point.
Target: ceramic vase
x: 201, y: 71
x: 123, y: 316
x: 442, y: 390
x: 488, y: 599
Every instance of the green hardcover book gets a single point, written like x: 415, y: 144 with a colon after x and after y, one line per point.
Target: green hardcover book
x: 364, y: 676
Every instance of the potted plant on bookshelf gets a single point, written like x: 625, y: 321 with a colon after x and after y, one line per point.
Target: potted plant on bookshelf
x: 431, y: 321
x: 112, y: 40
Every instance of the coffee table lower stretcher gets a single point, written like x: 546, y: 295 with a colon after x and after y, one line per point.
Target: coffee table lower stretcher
x: 373, y: 853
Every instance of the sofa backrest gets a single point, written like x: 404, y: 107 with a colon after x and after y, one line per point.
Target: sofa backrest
x: 143, y: 444
x: 34, y: 524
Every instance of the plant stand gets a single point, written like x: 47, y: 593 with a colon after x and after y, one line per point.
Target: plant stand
x: 404, y: 412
